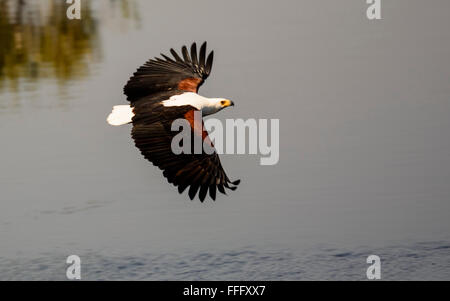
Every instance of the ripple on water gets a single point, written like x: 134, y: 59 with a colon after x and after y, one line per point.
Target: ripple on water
x: 421, y: 261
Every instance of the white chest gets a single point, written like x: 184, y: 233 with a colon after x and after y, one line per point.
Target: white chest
x: 192, y: 99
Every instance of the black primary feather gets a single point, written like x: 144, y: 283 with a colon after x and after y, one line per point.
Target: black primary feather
x: 165, y: 74
x: 156, y: 81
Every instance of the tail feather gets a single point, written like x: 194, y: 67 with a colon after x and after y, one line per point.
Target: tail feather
x: 120, y: 115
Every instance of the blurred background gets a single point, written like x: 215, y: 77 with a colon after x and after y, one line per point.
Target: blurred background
x: 364, y: 142
x: 41, y: 45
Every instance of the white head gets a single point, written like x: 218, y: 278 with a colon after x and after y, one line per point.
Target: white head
x: 215, y: 105
x: 208, y: 106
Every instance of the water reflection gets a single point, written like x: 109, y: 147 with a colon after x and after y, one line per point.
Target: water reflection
x: 39, y: 42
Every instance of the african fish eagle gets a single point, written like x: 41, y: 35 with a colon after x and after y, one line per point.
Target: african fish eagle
x: 160, y: 92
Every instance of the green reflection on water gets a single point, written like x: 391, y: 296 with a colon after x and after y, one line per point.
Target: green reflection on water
x: 38, y: 41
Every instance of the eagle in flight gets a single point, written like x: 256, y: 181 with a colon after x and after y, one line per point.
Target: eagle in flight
x: 164, y: 90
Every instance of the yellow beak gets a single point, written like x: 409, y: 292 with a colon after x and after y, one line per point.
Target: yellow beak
x: 228, y: 103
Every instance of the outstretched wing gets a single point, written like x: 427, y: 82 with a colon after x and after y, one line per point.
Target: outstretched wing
x: 184, y: 73
x: 200, y: 173
x: 155, y: 82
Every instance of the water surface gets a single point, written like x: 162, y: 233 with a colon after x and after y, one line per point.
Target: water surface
x: 364, y: 141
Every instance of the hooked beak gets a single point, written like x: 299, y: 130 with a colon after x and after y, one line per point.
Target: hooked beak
x: 227, y: 103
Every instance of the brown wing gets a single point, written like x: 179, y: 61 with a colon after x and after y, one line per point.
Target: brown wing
x: 152, y: 134
x: 185, y: 74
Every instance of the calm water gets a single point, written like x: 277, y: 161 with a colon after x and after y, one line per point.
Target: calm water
x: 364, y: 142
x: 421, y: 261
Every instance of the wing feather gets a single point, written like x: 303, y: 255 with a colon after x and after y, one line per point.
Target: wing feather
x: 158, y: 80
x: 176, y: 56
x: 209, y: 62
x: 166, y: 74
x: 201, y: 173
x: 186, y: 56
x: 194, y: 55
x: 202, y: 60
